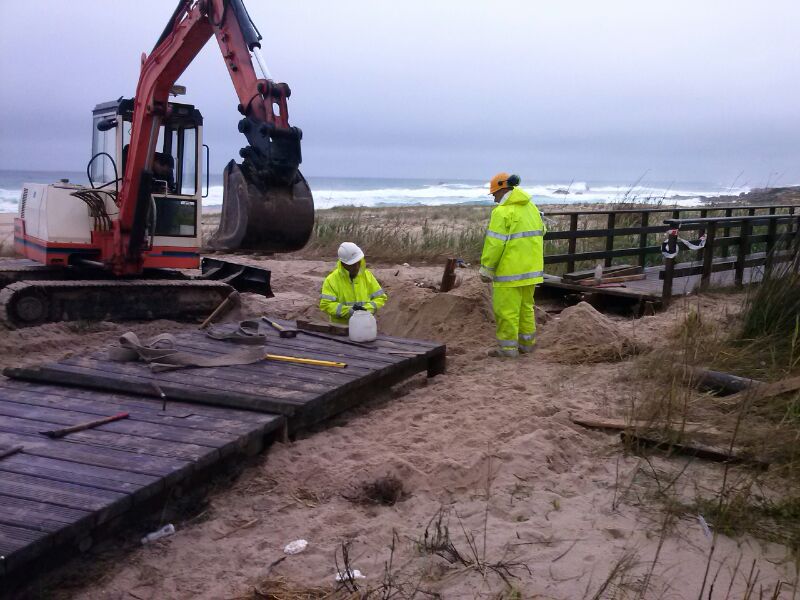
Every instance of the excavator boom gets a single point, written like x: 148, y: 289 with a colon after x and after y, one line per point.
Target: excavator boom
x: 263, y: 194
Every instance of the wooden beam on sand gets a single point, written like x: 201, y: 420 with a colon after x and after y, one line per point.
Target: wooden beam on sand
x: 686, y: 449
x: 766, y: 390
x: 594, y: 422
x: 605, y: 280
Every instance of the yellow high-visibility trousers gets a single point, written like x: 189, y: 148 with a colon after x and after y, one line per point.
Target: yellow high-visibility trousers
x: 514, y: 318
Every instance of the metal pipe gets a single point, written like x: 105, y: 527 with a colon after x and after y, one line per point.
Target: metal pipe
x: 262, y: 63
x: 89, y: 263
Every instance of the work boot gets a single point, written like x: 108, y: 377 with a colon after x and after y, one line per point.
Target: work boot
x: 527, y: 349
x: 498, y: 353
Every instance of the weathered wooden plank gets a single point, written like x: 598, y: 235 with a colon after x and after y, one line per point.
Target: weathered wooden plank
x: 130, y: 443
x: 382, y: 342
x: 691, y: 449
x: 40, y: 516
x: 89, y: 475
x: 62, y: 493
x: 311, y: 343
x: 320, y: 408
x: 286, y: 373
x: 168, y: 468
x: 129, y: 401
x: 151, y: 414
x: 211, y: 378
x: 18, y: 545
x: 13, y: 538
x: 52, y: 417
x: 97, y: 379
x: 302, y: 346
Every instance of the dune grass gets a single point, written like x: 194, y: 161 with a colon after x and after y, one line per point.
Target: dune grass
x: 424, y: 233
x: 760, y: 339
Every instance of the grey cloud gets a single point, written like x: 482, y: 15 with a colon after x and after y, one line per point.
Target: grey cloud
x: 584, y: 89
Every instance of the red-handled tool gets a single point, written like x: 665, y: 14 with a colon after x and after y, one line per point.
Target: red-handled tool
x: 59, y: 433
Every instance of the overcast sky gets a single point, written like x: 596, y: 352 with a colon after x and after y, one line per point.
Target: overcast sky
x: 683, y: 90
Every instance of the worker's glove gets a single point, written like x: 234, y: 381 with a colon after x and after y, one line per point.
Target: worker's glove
x: 485, y: 278
x: 358, y: 306
x: 485, y: 275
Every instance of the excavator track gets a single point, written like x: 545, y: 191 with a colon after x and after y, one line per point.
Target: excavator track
x: 18, y: 269
x: 28, y: 303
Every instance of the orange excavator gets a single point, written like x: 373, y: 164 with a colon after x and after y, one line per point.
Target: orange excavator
x: 127, y: 246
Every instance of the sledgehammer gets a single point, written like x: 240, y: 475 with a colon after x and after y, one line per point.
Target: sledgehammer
x: 282, y: 331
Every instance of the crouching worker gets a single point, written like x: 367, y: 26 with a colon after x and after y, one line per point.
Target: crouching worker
x: 350, y: 286
x: 513, y: 260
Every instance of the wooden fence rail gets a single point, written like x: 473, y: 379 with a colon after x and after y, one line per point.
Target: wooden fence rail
x: 587, y: 225
x: 778, y: 246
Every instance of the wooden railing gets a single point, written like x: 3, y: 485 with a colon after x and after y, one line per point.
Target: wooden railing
x: 610, y: 234
x: 780, y: 238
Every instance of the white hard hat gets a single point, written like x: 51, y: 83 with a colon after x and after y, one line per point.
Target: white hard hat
x: 349, y: 253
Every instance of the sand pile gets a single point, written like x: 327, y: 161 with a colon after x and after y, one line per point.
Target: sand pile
x: 464, y: 313
x: 583, y: 335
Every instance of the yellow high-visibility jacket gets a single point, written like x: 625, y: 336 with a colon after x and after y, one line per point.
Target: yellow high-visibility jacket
x: 513, y: 251
x: 340, y: 293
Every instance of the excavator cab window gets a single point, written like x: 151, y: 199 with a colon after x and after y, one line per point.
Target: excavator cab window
x: 175, y: 180
x: 175, y: 217
x: 104, y: 135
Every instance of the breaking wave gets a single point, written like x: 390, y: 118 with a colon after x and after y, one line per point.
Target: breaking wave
x: 329, y: 193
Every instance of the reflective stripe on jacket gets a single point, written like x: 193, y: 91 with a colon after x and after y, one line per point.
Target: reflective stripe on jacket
x: 513, y: 251
x: 340, y: 293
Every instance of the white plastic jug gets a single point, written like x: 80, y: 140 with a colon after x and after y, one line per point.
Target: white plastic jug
x: 363, y: 326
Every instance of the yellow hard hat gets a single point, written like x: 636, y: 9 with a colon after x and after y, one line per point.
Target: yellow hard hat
x: 502, y: 181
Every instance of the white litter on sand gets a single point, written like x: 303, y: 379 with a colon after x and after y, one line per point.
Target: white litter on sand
x: 348, y: 575
x: 295, y: 547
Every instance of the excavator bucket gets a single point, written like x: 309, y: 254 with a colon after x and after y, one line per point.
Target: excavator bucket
x: 259, y: 217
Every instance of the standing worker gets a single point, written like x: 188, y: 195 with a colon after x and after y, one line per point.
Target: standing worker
x: 513, y: 260
x: 350, y: 286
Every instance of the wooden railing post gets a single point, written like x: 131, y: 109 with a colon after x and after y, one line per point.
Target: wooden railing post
x: 700, y: 253
x: 727, y: 232
x: 612, y: 217
x: 643, y: 238
x: 772, y: 230
x: 669, y: 267
x: 796, y: 243
x: 708, y: 257
x: 744, y: 248
x: 572, y: 242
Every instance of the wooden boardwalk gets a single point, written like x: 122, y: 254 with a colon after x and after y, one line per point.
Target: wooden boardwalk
x: 650, y: 289
x: 59, y: 493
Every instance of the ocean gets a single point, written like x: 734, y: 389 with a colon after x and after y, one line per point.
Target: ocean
x: 352, y: 191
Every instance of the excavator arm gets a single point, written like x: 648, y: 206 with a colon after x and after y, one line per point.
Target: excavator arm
x: 267, y: 205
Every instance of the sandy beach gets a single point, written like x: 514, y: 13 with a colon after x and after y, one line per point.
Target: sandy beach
x: 560, y: 510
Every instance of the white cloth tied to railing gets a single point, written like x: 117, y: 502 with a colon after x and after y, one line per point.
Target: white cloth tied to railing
x: 701, y: 243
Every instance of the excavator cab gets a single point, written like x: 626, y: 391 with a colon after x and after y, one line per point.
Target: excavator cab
x: 258, y: 213
x: 174, y: 216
